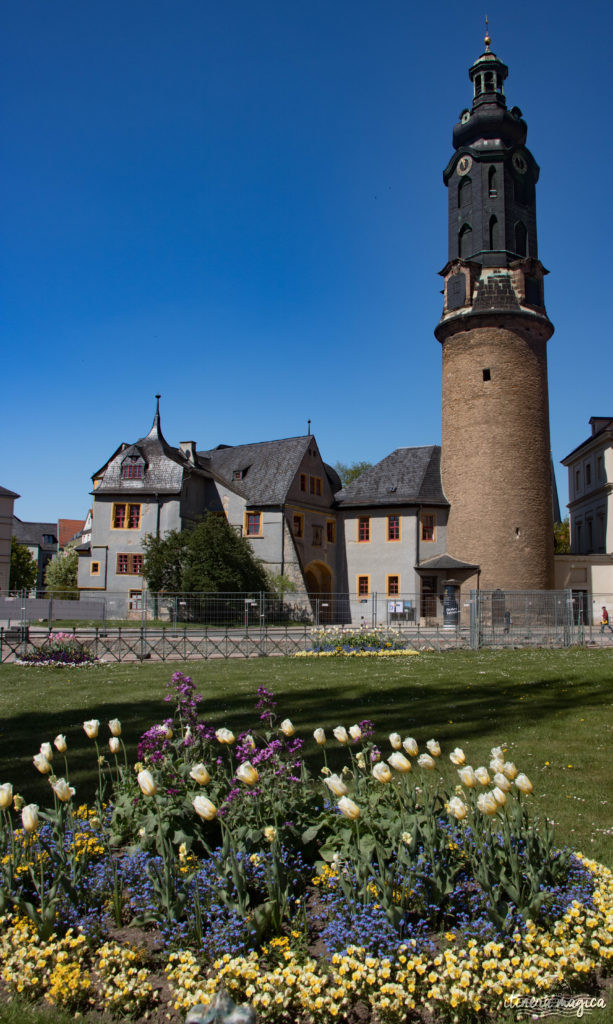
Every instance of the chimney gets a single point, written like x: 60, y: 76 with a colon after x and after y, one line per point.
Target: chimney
x: 189, y: 450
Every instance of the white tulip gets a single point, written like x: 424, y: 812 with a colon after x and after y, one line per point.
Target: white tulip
x: 340, y: 734
x: 425, y: 761
x: 115, y: 727
x: 482, y: 776
x: 225, y: 736
x: 336, y: 785
x: 399, y: 762
x: 502, y: 782
x: 204, y: 808
x: 468, y: 777
x: 147, y: 783
x: 287, y: 728
x: 62, y: 790
x: 29, y: 817
x: 499, y: 795
x: 320, y: 737
x: 523, y: 783
x: 114, y: 745
x: 509, y: 770
x: 47, y: 751
x: 200, y: 774
x: 434, y: 748
x: 355, y: 732
x: 457, y: 807
x: 348, y: 808
x: 395, y: 741
x: 381, y: 772
x: 457, y: 757
x: 247, y: 773
x: 487, y: 803
x: 91, y: 728
x: 60, y: 744
x: 6, y: 795
x: 410, y: 745
x: 42, y: 764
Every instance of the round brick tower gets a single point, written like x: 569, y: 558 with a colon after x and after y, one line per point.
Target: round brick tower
x: 496, y: 460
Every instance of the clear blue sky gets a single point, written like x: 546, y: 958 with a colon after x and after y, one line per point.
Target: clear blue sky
x: 241, y: 205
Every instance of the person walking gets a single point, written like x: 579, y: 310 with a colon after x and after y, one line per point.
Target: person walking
x: 604, y: 621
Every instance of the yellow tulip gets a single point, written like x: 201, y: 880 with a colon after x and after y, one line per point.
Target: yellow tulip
x: 523, y: 783
x: 468, y: 776
x: 395, y: 741
x: 487, y: 803
x: 482, y: 776
x: 458, y: 808
x: 433, y: 748
x: 410, y: 745
x: 457, y: 757
x: 225, y: 736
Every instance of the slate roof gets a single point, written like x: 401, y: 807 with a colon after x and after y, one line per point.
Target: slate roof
x: 32, y: 533
x: 5, y: 493
x: 606, y: 424
x: 268, y: 467
x: 408, y: 476
x: 445, y: 561
x: 164, y: 466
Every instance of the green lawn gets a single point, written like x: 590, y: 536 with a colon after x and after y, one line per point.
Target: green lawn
x: 552, y: 709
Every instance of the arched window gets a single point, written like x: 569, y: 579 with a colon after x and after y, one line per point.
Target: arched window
x: 465, y: 193
x: 521, y: 239
x: 465, y: 241
x: 491, y: 183
x: 494, y: 233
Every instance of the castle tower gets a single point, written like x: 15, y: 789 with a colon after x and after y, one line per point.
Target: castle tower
x: 496, y: 462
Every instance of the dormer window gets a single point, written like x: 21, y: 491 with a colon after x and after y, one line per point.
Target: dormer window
x: 132, y: 469
x: 237, y: 474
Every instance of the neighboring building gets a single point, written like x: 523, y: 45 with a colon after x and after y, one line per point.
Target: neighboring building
x: 68, y: 530
x: 589, y: 566
x: 41, y: 541
x: 7, y: 499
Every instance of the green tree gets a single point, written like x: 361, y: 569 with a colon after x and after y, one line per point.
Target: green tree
x: 61, y: 575
x: 212, y: 557
x: 561, y: 537
x: 24, y: 569
x: 350, y: 473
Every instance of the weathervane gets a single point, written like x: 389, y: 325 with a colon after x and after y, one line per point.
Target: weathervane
x: 487, y: 39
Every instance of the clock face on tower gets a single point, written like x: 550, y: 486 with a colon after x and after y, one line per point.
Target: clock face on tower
x: 464, y: 165
x: 519, y: 162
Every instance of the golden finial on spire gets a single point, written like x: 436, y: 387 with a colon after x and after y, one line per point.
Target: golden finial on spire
x: 487, y: 39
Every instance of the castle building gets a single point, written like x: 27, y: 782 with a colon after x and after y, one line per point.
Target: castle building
x: 496, y: 461
x: 424, y: 523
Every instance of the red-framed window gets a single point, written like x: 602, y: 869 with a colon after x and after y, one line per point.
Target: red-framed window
x: 253, y: 524
x: 363, y: 529
x: 129, y: 565
x: 315, y: 485
x: 428, y: 526
x: 393, y: 527
x: 393, y: 585
x: 363, y: 586
x: 132, y: 471
x: 126, y: 517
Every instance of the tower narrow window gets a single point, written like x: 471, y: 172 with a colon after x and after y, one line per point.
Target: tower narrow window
x: 494, y: 233
x: 521, y: 239
x: 491, y: 183
x: 489, y: 81
x: 465, y: 193
x: 465, y: 241
x: 487, y: 374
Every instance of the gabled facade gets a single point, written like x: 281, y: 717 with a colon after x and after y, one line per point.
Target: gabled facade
x: 41, y: 540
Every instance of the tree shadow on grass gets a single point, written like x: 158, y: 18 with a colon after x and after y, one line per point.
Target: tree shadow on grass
x: 452, y: 711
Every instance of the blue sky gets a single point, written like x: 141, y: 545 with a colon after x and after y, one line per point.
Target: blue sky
x: 241, y: 206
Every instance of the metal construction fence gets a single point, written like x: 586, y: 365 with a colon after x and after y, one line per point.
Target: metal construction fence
x: 261, y: 625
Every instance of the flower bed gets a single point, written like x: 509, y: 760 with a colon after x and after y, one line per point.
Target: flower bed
x: 406, y: 883
x: 338, y: 641
x: 61, y: 649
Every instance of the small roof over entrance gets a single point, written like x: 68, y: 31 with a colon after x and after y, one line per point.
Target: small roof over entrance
x: 445, y: 562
